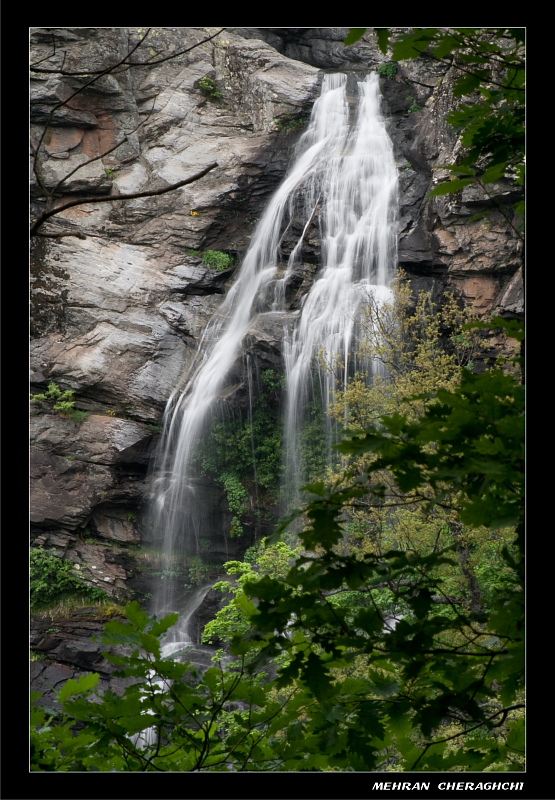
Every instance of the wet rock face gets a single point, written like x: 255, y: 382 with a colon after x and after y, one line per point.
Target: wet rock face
x: 67, y: 648
x: 119, y: 305
x: 118, y: 313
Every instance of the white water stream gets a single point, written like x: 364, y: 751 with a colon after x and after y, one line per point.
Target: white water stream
x: 344, y: 177
x: 356, y: 179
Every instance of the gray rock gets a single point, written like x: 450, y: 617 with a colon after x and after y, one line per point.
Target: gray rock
x: 117, y: 316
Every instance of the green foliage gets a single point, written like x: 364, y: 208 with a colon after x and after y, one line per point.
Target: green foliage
x: 244, y: 453
x: 438, y: 693
x: 219, y: 720
x: 314, y: 447
x: 79, y: 416
x: 154, y: 426
x: 491, y: 66
x: 199, y: 572
x: 36, y: 655
x: 62, y: 402
x: 422, y: 347
x: 414, y: 107
x: 209, y: 88
x: 233, y: 619
x: 354, y: 35
x: 389, y: 69
x: 217, y: 260
x: 291, y: 124
x: 53, y: 579
x: 436, y: 675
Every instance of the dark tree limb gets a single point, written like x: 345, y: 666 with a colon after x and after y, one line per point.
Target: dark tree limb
x: 122, y: 66
x: 102, y: 155
x: 110, y: 199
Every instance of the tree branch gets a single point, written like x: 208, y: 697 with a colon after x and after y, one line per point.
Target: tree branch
x: 110, y: 199
x: 115, y: 69
x: 503, y: 711
x: 122, y: 63
x: 102, y: 155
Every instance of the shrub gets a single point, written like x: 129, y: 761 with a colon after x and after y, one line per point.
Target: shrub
x: 63, y: 402
x: 52, y: 579
x: 290, y: 124
x: 217, y: 260
x: 199, y: 572
x: 209, y: 88
x: 389, y: 69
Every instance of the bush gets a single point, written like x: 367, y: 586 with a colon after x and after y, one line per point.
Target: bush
x: 63, y: 402
x: 290, y: 124
x: 388, y: 70
x: 209, y: 88
x: 217, y: 260
x: 53, y: 579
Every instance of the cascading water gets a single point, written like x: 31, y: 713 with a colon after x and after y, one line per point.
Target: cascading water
x: 344, y: 176
x: 356, y: 179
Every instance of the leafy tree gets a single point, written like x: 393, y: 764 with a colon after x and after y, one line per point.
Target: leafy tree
x: 234, y: 618
x: 405, y: 688
x: 437, y: 692
x: 491, y: 120
x: 218, y: 720
x: 415, y: 348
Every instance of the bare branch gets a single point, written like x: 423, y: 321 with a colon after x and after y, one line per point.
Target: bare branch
x: 128, y: 65
x: 52, y: 54
x: 122, y: 65
x: 66, y: 103
x: 86, y: 163
x: 107, y: 152
x: 110, y: 199
x: 175, y: 55
x: 60, y: 235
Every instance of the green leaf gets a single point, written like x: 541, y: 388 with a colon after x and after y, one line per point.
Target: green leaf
x: 450, y: 187
x: 446, y: 45
x: 383, y: 35
x: 466, y: 85
x: 73, y: 687
x: 317, y: 678
x: 516, y: 739
x: 494, y: 173
x: 354, y: 35
x: 162, y: 626
x: 414, y: 44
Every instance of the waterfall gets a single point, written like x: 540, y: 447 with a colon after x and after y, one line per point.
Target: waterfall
x: 356, y: 179
x: 343, y: 176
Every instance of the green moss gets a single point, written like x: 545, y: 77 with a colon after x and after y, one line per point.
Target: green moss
x: 290, y: 124
x: 36, y: 655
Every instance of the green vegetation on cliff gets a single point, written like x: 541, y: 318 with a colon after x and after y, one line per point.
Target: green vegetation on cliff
x: 321, y: 679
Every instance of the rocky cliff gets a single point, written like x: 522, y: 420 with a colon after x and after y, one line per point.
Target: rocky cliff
x: 120, y: 292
